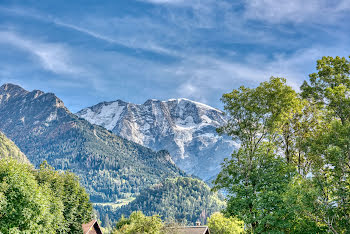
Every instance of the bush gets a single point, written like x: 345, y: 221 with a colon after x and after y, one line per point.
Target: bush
x: 219, y: 224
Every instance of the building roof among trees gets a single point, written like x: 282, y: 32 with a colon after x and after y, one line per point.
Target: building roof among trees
x: 91, y: 228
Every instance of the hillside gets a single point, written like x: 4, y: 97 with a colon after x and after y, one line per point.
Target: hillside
x: 110, y: 167
x: 178, y: 200
x: 9, y: 149
x: 187, y: 129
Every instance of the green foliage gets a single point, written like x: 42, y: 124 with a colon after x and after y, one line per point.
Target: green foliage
x: 77, y: 208
x: 9, y: 150
x: 24, y: 205
x: 330, y: 86
x: 329, y: 90
x: 40, y: 201
x: 219, y: 224
x: 256, y: 183
x: 258, y: 114
x: 290, y: 174
x: 309, y: 192
x: 301, y: 207
x: 139, y: 223
x: 178, y: 200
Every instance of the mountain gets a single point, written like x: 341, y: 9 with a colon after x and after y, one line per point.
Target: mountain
x: 110, y: 167
x: 177, y: 200
x: 8, y: 149
x: 185, y: 128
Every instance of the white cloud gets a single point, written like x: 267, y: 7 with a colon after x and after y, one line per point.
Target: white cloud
x: 52, y: 57
x: 296, y: 11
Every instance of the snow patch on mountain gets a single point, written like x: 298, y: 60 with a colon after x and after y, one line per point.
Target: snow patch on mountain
x: 107, y: 117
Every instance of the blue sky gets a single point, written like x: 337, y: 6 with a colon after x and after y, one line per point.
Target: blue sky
x: 90, y: 51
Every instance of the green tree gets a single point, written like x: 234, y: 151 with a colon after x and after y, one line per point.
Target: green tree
x: 255, y: 184
x: 259, y: 115
x: 300, y: 213
x: 273, y: 124
x: 139, y: 223
x: 219, y: 224
x: 329, y: 90
x: 329, y: 87
x: 41, y: 201
x: 24, y: 205
x: 76, y: 206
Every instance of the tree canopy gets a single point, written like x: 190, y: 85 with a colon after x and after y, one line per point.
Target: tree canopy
x: 291, y: 172
x: 139, y: 223
x: 40, y: 201
x: 219, y: 224
x: 176, y: 200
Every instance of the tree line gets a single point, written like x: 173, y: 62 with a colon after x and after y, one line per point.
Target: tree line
x: 137, y: 222
x: 182, y: 200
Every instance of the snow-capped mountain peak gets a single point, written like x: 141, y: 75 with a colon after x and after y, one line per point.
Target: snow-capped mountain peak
x: 187, y: 129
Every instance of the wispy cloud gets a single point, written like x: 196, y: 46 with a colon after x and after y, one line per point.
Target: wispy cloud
x: 52, y: 57
x: 296, y: 11
x: 197, y: 49
x: 145, y: 45
x: 206, y: 78
x: 133, y: 43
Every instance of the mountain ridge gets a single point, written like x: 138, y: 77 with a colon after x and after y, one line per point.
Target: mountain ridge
x: 110, y: 167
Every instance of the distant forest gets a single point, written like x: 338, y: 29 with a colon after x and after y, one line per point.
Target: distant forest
x: 179, y: 200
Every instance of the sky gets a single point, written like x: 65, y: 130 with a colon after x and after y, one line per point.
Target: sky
x: 88, y: 51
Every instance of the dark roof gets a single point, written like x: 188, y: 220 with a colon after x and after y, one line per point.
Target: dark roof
x: 192, y: 230
x: 91, y: 227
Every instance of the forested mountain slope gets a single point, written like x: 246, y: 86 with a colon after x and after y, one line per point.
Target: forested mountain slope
x: 9, y: 149
x: 109, y: 166
x: 177, y: 200
x: 187, y: 129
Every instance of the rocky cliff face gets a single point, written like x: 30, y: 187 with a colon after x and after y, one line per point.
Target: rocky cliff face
x: 185, y: 128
